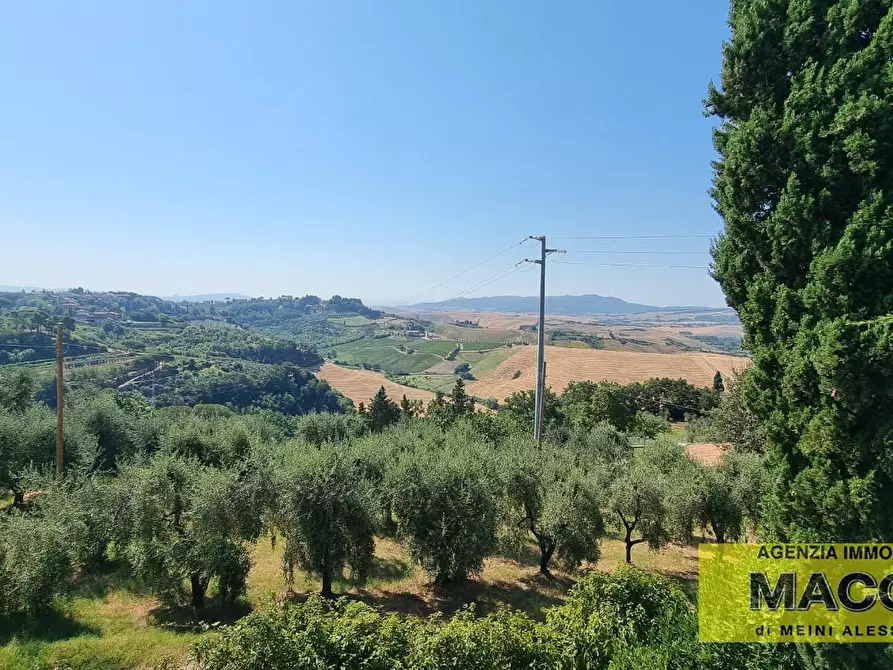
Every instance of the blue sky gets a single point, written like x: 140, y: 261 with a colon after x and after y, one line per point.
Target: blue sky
x: 370, y: 148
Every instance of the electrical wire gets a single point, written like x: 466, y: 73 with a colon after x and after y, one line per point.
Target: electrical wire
x: 634, y: 265
x: 464, y: 272
x: 631, y: 237
x: 489, y: 280
x: 625, y: 251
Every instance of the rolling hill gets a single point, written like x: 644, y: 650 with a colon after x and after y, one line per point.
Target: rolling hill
x: 567, y: 305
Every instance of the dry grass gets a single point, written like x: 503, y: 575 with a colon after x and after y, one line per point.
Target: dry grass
x: 361, y: 385
x: 707, y: 452
x: 109, y: 624
x: 396, y: 584
x: 568, y: 365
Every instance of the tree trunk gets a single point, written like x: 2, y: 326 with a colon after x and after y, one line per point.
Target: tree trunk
x: 720, y: 532
x: 629, y: 549
x: 546, y: 551
x: 388, y: 515
x: 199, y: 586
x: 327, y: 583
x: 18, y: 498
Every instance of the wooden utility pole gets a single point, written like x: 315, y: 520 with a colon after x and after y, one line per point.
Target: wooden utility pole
x: 59, y: 390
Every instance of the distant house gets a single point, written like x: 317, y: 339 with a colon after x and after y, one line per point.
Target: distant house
x: 417, y: 333
x: 95, y: 318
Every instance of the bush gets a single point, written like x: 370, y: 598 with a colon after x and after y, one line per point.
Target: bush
x: 629, y: 619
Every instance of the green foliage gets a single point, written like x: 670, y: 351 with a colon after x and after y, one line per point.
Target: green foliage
x: 589, y: 403
x: 628, y: 619
x: 447, y: 509
x: 185, y: 521
x: 230, y: 342
x: 28, y: 445
x: 320, y: 428
x: 558, y: 502
x: 16, y: 390
x: 731, y: 495
x: 730, y: 422
x: 607, y: 613
x: 114, y: 429
x: 806, y: 258
x: 285, y: 389
x: 463, y: 404
x: 323, y: 510
x: 646, y: 424
x: 638, y: 506
x: 522, y: 405
x: 36, y: 562
x: 383, y: 411
x: 718, y: 384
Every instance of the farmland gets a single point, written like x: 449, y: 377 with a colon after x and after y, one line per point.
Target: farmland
x: 361, y: 385
x: 384, y: 353
x: 566, y: 365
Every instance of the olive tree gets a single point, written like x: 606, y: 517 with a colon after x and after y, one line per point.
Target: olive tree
x: 731, y: 494
x: 559, y: 504
x: 637, y: 506
x: 187, y: 521
x: 447, y: 509
x: 324, y: 511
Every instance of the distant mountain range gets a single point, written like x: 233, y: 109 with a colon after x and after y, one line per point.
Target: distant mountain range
x: 565, y: 305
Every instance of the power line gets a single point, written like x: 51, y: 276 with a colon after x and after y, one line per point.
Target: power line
x: 626, y: 251
x: 632, y: 237
x: 464, y: 272
x: 492, y: 278
x: 633, y: 265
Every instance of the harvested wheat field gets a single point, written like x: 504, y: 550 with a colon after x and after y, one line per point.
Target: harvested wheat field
x: 569, y: 365
x: 361, y: 385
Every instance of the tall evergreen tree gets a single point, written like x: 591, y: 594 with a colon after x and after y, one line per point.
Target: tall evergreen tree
x: 382, y: 411
x: 718, y: 384
x: 463, y: 404
x: 805, y: 186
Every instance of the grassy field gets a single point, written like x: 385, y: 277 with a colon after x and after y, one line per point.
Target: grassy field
x: 432, y: 382
x: 439, y: 347
x: 484, y: 363
x: 357, y: 320
x: 108, y: 623
x: 384, y: 352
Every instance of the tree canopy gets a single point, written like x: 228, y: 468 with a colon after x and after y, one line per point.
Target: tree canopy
x: 803, y: 183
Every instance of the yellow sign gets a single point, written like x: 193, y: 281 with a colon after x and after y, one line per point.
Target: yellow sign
x: 795, y: 592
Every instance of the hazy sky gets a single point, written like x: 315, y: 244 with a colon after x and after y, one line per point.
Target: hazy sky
x: 371, y: 149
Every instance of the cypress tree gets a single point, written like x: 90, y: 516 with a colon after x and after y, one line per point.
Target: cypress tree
x: 804, y: 184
